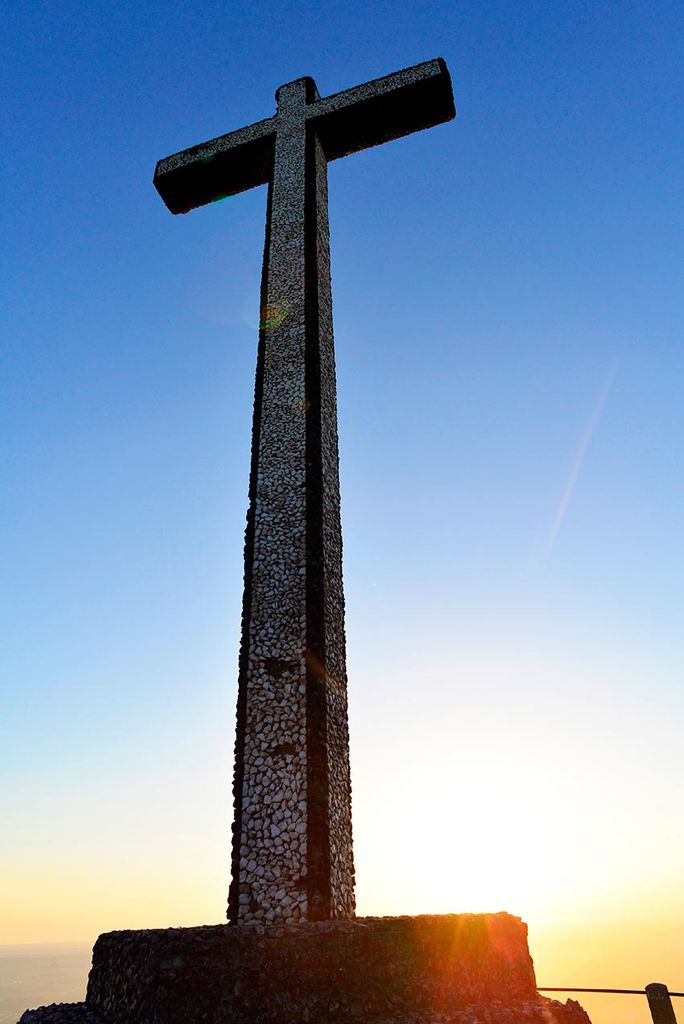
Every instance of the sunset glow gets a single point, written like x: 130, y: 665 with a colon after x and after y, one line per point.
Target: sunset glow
x: 508, y: 335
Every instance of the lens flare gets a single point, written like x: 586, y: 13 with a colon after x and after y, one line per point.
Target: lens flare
x: 271, y: 315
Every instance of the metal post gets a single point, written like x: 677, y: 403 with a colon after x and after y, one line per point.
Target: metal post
x: 660, y: 1004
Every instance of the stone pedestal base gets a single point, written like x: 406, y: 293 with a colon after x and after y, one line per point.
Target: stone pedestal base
x: 450, y: 969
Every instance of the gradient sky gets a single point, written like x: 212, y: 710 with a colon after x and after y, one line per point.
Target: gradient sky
x: 508, y: 317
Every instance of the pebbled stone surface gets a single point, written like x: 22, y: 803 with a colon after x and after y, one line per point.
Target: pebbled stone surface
x: 62, y: 1013
x: 544, y: 1011
x: 447, y: 969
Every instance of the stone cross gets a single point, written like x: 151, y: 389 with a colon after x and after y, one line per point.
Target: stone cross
x: 292, y: 842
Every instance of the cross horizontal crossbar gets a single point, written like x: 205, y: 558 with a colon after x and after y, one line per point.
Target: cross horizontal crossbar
x: 346, y: 122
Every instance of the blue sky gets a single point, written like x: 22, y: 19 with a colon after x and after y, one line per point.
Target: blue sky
x: 508, y: 320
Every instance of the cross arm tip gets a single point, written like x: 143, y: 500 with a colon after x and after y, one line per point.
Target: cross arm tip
x: 386, y: 108
x: 216, y: 169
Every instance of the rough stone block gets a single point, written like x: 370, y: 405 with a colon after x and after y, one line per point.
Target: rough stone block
x: 447, y: 969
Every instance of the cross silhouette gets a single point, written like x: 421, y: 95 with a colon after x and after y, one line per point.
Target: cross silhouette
x: 292, y: 854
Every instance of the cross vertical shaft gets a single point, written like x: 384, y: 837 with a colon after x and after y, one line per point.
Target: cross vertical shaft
x: 292, y: 848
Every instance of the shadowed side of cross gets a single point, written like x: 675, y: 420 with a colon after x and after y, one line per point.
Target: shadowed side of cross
x: 368, y: 115
x: 292, y: 856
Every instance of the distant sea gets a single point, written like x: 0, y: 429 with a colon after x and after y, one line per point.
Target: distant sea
x: 33, y: 975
